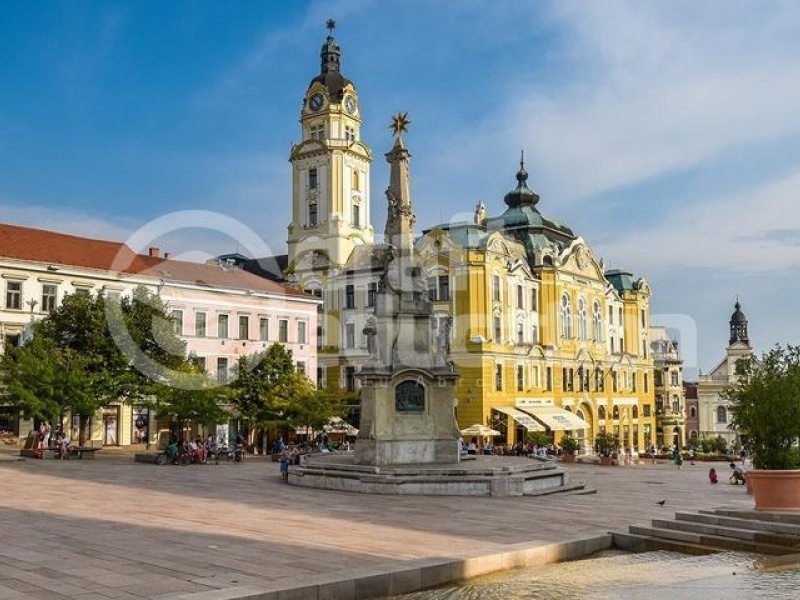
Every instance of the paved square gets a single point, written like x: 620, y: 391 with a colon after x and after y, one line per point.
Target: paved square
x: 112, y: 528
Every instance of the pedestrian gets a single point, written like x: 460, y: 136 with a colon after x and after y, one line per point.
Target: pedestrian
x: 285, y: 466
x: 712, y: 475
x: 691, y: 456
x: 678, y: 458
x: 737, y: 476
x: 653, y: 453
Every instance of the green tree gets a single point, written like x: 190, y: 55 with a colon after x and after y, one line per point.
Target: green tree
x: 191, y: 397
x: 91, y: 351
x: 311, y: 408
x: 264, y: 385
x: 765, y: 408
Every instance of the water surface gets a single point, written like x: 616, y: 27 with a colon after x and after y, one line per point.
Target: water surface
x: 647, y: 576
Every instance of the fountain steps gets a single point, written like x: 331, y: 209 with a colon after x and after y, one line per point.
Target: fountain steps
x: 710, y: 531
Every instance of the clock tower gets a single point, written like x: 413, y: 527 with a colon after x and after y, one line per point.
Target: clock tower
x: 330, y: 175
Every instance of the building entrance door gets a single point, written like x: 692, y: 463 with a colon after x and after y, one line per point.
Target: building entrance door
x: 111, y: 426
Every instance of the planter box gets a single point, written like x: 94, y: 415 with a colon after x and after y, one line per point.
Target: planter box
x: 568, y: 457
x: 607, y: 461
x: 775, y: 490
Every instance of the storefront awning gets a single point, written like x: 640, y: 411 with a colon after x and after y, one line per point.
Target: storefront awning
x: 520, y: 417
x: 557, y: 419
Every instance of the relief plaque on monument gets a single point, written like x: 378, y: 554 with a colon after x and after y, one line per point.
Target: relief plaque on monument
x: 409, y: 397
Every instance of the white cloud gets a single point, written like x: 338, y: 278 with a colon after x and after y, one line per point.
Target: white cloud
x: 65, y: 221
x: 656, y: 90
x: 757, y: 230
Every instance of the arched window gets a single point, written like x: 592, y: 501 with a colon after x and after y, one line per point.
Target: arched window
x: 356, y: 215
x: 356, y: 183
x: 693, y: 412
x: 635, y: 411
x: 722, y: 414
x: 583, y: 323
x: 601, y: 412
x: 597, y: 322
x: 676, y: 405
x: 566, y: 317
x: 616, y: 412
x: 313, y: 215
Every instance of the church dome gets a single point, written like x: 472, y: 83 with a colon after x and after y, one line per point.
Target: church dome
x: 330, y: 74
x: 738, y: 315
x: 522, y: 194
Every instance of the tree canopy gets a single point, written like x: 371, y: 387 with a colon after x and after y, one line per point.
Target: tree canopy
x: 765, y: 408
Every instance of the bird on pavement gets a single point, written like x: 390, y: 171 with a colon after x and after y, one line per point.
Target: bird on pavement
x: 661, y: 502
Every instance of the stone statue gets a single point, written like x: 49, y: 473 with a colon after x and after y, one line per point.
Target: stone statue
x: 371, y: 332
x: 443, y: 337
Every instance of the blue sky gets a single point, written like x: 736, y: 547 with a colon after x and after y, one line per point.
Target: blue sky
x: 666, y: 134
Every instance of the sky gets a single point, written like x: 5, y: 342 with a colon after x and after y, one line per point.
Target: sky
x: 666, y: 134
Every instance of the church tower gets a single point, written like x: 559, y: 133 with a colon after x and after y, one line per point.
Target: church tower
x: 330, y: 175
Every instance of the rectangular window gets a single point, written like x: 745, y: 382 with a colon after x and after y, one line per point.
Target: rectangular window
x: 350, y: 335
x: 520, y: 378
x: 356, y: 215
x: 498, y: 330
x: 320, y: 377
x: 535, y: 382
x: 673, y: 378
x: 496, y: 288
x: 200, y: 361
x: 222, y: 327
x: 534, y: 334
x: 244, y: 327
x: 498, y: 378
x: 599, y: 380
x: 646, y: 383
x: 83, y: 291
x: 610, y: 315
x: 301, y: 367
x: 312, y: 214
x: 14, y: 294
x: 222, y: 369
x: 263, y: 329
x: 350, y: 379
x: 614, y: 381
x: 350, y: 136
x: 619, y: 315
x: 520, y: 297
x: 283, y: 331
x: 634, y: 380
x: 301, y: 332
x: 372, y: 290
x: 549, y: 378
x: 646, y: 410
x: 535, y: 300
x: 520, y: 333
x: 177, y: 321
x: 317, y: 132
x: 313, y: 182
x: 200, y: 324
x: 350, y: 296
x: 49, y: 294
x: 444, y: 287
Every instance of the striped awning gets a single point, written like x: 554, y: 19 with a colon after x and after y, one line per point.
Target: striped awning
x: 520, y: 417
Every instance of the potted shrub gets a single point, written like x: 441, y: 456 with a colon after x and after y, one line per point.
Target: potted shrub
x: 569, y: 445
x: 606, y: 444
x: 765, y: 409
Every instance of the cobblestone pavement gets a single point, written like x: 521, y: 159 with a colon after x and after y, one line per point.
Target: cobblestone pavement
x: 112, y: 528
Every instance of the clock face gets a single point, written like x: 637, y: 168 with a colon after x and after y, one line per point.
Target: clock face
x: 350, y: 104
x: 316, y: 101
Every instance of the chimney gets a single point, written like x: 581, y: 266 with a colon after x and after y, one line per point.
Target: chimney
x: 153, y: 252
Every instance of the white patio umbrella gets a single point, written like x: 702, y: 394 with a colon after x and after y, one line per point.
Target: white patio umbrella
x: 478, y: 430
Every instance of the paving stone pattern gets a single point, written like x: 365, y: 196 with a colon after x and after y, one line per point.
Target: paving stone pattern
x: 112, y: 528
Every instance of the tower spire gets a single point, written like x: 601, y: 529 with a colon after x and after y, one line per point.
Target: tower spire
x: 400, y: 218
x: 738, y: 325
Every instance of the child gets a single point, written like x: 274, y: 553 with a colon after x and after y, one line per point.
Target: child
x: 712, y: 475
x: 285, y: 466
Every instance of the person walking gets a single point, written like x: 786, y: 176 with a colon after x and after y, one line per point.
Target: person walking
x: 678, y: 458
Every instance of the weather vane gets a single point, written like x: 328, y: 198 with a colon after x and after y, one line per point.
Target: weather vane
x: 331, y: 25
x: 400, y: 124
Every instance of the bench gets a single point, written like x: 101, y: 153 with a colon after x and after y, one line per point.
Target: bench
x: 83, y: 452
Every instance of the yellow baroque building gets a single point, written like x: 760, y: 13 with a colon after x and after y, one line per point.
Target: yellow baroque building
x: 542, y: 336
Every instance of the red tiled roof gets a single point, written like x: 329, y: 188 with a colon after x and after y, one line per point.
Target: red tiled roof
x: 52, y: 248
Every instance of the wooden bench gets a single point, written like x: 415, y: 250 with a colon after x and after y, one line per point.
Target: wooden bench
x: 83, y: 452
